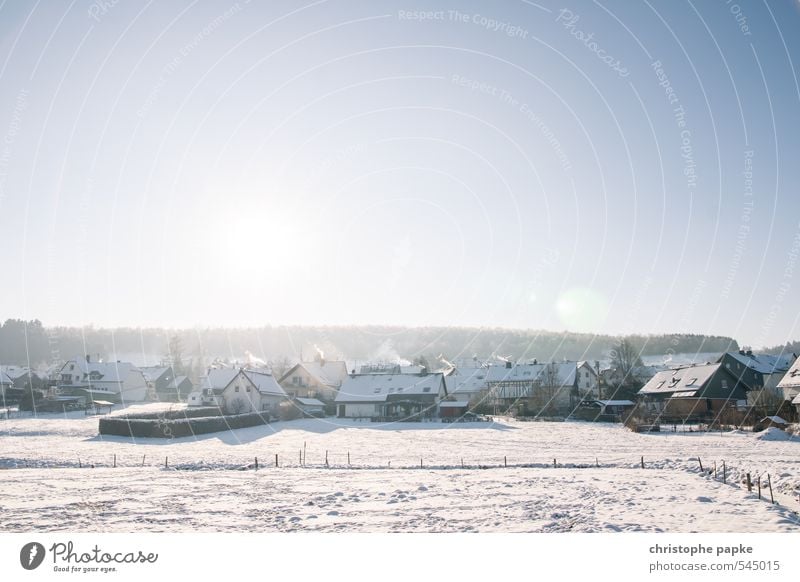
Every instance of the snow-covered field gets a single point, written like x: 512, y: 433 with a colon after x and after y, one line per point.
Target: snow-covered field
x: 597, y: 485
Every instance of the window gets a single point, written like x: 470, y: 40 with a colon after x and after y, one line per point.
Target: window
x: 236, y: 389
x: 426, y: 389
x: 724, y: 384
x: 248, y: 388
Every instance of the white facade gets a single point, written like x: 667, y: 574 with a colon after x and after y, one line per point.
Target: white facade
x: 115, y: 381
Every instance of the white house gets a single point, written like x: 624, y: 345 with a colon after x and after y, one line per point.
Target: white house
x: 467, y: 384
x: 112, y: 381
x: 790, y: 383
x: 545, y: 386
x: 318, y: 379
x: 390, y: 396
x: 238, y: 391
x: 5, y: 384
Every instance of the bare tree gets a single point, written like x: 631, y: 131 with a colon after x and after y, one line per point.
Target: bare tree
x: 625, y: 359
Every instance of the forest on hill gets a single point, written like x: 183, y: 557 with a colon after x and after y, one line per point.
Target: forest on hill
x: 31, y: 343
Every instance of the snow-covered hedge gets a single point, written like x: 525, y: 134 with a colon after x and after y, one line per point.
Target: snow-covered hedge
x: 164, y: 427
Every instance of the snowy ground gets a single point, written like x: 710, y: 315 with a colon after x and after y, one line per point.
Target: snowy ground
x: 598, y: 484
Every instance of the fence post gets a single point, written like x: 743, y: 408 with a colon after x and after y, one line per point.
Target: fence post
x: 758, y: 480
x: 326, y: 458
x: 642, y: 461
x: 554, y: 464
x: 276, y: 459
x: 420, y: 462
x: 348, y: 458
x: 462, y: 462
x: 256, y: 463
x: 115, y: 460
x: 143, y: 456
x: 80, y: 465
x: 769, y: 482
x: 701, y: 464
x: 749, y: 484
x: 505, y: 461
x: 304, y: 453
x: 724, y: 472
x: 166, y: 462
x: 715, y: 470
x: 596, y: 463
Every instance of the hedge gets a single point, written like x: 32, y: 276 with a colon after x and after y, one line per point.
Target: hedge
x: 160, y: 426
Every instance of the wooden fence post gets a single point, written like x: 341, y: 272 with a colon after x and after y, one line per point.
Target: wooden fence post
x: 724, y: 472
x: 276, y: 459
x: 505, y: 461
x: 749, y: 484
x: 256, y: 463
x: 462, y: 462
x: 554, y: 464
x: 642, y: 461
x: 769, y: 482
x: 80, y: 465
x: 758, y: 480
x: 326, y: 458
x: 348, y: 458
x: 166, y: 462
x: 701, y: 464
x: 143, y: 456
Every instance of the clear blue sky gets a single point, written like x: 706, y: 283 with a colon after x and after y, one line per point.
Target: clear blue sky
x: 572, y: 166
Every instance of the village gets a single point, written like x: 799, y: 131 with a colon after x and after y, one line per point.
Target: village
x: 737, y: 389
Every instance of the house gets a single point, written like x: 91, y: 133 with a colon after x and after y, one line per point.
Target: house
x: 466, y: 384
x: 758, y: 371
x: 698, y: 392
x: 310, y: 407
x: 613, y: 379
x: 796, y: 403
x: 790, y: 383
x: 551, y: 388
x: 164, y: 385
x: 118, y: 382
x: 5, y: 387
x: 390, y: 396
x: 195, y: 397
x: 318, y: 379
x: 238, y: 391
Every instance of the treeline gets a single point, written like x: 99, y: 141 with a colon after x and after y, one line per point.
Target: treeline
x: 24, y: 342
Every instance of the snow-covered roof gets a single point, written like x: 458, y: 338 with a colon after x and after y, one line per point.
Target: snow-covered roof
x: 466, y: 381
x: 4, y: 379
x: 377, y: 387
x: 327, y: 373
x: 792, y: 377
x: 14, y: 372
x: 796, y: 399
x: 765, y: 363
x: 178, y: 380
x: 688, y: 379
x: 775, y: 419
x: 113, y: 372
x: 615, y: 402
x: 219, y: 378
x: 309, y: 402
x: 265, y: 383
x: 153, y: 373
x: 453, y: 404
x: 564, y: 373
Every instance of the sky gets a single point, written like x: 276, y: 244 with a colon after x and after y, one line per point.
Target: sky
x: 608, y: 167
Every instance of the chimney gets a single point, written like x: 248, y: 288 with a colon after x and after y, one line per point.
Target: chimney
x: 749, y: 353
